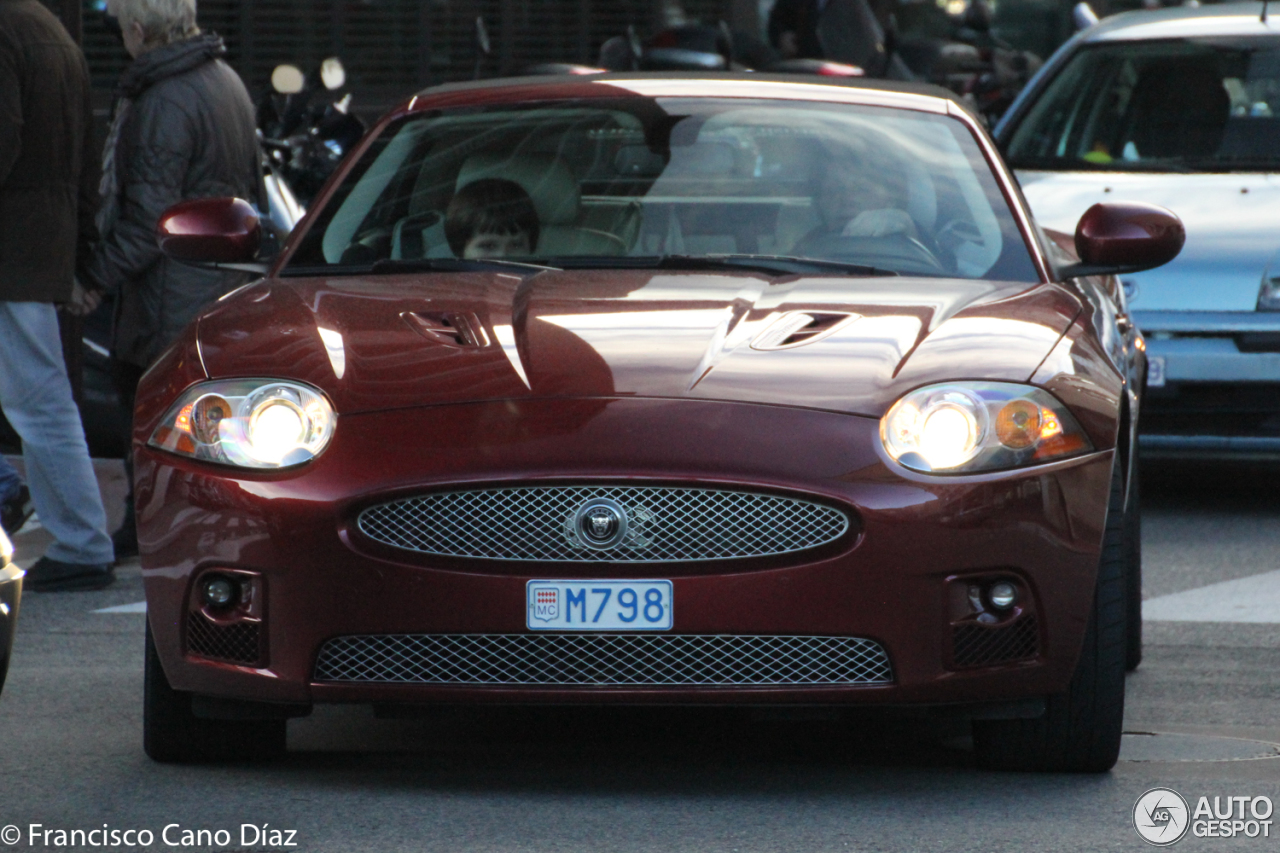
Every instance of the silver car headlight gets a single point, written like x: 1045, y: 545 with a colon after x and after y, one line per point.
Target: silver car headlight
x: 250, y: 423
x: 966, y: 427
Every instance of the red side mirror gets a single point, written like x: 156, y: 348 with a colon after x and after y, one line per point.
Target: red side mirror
x: 1127, y: 237
x: 210, y: 230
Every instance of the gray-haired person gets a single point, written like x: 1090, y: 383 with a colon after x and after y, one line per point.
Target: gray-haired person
x: 183, y: 128
x: 47, y: 177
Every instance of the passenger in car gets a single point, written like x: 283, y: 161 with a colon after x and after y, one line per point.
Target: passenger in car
x: 491, y: 218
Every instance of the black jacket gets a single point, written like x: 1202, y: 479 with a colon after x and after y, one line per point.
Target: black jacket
x: 800, y: 17
x: 48, y: 170
x: 188, y: 133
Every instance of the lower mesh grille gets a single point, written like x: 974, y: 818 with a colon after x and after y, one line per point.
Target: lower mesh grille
x: 977, y: 645
x: 237, y: 642
x: 604, y: 660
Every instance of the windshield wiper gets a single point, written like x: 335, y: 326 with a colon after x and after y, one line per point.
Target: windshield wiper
x: 774, y: 265
x: 392, y: 266
x: 1066, y: 164
x: 1235, y: 164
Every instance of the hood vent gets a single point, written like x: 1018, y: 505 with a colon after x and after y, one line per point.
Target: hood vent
x: 449, y: 328
x: 797, y: 328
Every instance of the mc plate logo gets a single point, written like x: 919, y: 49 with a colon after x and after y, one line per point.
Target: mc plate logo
x: 546, y: 603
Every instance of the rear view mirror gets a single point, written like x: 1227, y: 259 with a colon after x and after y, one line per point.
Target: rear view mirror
x: 210, y: 230
x: 1125, y: 237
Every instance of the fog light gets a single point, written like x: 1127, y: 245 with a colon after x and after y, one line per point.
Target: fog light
x: 219, y: 592
x: 1002, y: 595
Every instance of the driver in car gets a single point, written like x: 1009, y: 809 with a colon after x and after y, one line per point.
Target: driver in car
x: 860, y: 196
x: 491, y: 218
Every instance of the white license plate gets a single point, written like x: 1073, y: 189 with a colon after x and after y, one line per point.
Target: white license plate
x: 1155, y: 371
x: 599, y: 605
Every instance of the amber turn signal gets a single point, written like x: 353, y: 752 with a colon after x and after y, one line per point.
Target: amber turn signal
x: 1018, y: 424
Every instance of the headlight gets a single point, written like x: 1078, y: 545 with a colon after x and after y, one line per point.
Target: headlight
x: 1269, y: 291
x: 252, y: 423
x: 963, y: 427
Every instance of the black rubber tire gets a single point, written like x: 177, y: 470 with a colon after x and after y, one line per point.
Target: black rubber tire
x: 171, y: 733
x: 1080, y: 730
x: 1133, y: 578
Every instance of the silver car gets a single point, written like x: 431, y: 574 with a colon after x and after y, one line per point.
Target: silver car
x: 1180, y: 108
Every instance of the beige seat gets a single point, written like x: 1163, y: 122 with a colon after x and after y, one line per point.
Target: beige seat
x: 556, y: 197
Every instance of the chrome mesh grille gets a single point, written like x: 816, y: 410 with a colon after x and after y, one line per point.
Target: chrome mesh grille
x: 663, y: 524
x: 691, y: 660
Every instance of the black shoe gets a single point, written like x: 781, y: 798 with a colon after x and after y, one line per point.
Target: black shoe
x: 125, y: 541
x: 48, y: 575
x: 15, y: 511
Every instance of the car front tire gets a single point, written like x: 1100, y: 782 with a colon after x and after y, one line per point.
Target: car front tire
x: 172, y: 733
x: 1133, y: 578
x: 1081, y: 728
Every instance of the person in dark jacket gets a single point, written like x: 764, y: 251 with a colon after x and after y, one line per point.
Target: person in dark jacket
x: 183, y: 128
x: 793, y: 28
x: 47, y: 198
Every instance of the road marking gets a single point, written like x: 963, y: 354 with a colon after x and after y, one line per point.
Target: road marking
x: 1251, y: 599
x: 136, y: 607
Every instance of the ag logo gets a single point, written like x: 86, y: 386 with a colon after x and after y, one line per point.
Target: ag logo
x: 1161, y: 817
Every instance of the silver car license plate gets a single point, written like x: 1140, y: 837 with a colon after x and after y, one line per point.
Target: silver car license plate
x: 599, y: 605
x: 1155, y: 371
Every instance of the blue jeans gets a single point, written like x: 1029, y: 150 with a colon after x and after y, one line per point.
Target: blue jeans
x: 35, y: 396
x: 10, y: 481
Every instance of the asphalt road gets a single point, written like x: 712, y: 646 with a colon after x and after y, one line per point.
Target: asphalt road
x: 669, y: 780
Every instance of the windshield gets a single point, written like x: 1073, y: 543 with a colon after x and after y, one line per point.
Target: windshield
x: 1175, y: 105
x: 678, y: 181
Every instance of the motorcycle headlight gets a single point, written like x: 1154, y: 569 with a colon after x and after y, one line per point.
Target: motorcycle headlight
x: 965, y: 427
x: 250, y: 423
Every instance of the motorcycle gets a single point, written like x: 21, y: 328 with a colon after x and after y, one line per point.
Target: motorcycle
x: 699, y: 47
x: 303, y: 139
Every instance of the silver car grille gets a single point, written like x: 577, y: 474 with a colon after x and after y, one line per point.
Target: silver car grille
x: 600, y: 660
x: 663, y: 524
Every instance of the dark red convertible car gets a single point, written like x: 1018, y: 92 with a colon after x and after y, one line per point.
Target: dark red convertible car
x: 653, y: 389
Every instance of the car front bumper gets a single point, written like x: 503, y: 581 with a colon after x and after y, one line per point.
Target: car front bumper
x: 1216, y: 388
x: 10, y: 600
x: 893, y: 581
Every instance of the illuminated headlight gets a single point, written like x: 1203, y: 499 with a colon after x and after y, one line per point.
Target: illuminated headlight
x: 252, y: 423
x: 964, y: 427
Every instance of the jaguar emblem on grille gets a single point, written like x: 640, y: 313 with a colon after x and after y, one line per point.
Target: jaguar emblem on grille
x: 603, y: 521
x: 600, y: 523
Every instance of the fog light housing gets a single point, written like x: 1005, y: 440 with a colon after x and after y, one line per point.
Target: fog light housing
x: 1002, y: 595
x: 219, y: 593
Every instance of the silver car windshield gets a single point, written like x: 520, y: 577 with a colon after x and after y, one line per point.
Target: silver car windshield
x: 677, y: 182
x: 1208, y: 104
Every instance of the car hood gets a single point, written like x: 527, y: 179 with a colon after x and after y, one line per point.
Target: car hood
x: 1230, y: 221
x: 384, y: 342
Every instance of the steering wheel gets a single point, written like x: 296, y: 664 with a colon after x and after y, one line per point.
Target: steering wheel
x: 892, y: 251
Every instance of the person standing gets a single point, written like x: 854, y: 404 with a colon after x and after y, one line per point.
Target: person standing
x: 47, y: 199
x: 183, y: 128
